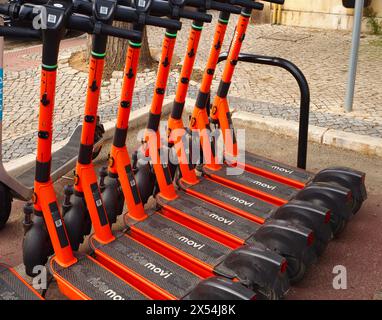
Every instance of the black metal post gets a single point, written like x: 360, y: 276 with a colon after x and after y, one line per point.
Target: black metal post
x: 302, y: 149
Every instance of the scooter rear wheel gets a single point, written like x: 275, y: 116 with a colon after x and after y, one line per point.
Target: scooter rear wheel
x: 6, y: 205
x: 296, y: 270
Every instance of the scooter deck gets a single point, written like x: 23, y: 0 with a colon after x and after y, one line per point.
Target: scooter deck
x: 231, y: 199
x: 276, y: 170
x: 13, y: 287
x: 87, y: 279
x: 191, y: 245
x: 255, y: 184
x: 60, y: 159
x: 207, y: 215
x: 135, y: 260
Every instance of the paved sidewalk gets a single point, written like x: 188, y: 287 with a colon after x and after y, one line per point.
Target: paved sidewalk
x: 321, y: 54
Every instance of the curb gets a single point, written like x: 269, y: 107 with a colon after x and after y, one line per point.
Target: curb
x: 137, y: 118
x: 367, y: 145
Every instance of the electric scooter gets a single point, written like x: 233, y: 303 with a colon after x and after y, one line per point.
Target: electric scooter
x: 313, y: 216
x: 19, y: 185
x: 14, y: 287
x: 300, y: 212
x: 342, y: 190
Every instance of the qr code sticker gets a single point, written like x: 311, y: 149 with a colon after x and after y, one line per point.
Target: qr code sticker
x: 52, y: 18
x: 99, y: 203
x: 103, y: 10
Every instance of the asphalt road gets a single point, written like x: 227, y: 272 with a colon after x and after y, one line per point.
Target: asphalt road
x: 358, y: 248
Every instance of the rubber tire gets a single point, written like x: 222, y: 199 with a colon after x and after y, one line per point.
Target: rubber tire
x: 340, y: 227
x: 298, y: 272
x: 6, y: 205
x: 269, y: 295
x: 356, y: 206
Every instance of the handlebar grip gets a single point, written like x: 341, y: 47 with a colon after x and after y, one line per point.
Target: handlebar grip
x: 121, y: 33
x: 195, y: 15
x: 4, y: 8
x: 163, y: 23
x: 82, y: 6
x: 80, y: 23
x: 225, y: 7
x: 250, y: 4
x: 19, y: 32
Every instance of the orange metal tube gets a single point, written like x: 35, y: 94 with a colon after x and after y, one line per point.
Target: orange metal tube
x: 152, y: 137
x: 220, y: 109
x: 86, y: 178
x: 44, y: 197
x: 119, y: 162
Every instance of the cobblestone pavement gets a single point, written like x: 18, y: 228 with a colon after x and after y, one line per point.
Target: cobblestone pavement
x: 321, y: 54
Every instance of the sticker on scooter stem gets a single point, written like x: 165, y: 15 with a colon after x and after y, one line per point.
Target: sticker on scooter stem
x: 1, y: 93
x: 53, y: 207
x: 133, y: 184
x: 167, y: 174
x: 99, y: 204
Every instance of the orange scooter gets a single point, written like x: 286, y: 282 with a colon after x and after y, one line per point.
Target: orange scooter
x: 341, y: 190
x: 258, y: 209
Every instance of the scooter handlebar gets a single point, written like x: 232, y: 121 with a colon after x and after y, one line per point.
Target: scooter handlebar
x: 225, y: 7
x: 19, y: 32
x: 128, y: 14
x: 163, y: 23
x: 251, y: 4
x: 195, y: 15
x: 119, y: 33
x: 83, y: 23
x: 4, y: 8
x: 275, y: 1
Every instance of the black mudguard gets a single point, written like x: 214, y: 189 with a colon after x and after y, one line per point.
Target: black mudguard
x: 217, y: 288
x: 334, y: 197
x: 77, y: 221
x: 145, y: 179
x: 293, y: 242
x: 259, y: 268
x: 113, y: 198
x: 348, y: 178
x: 37, y: 246
x: 308, y: 215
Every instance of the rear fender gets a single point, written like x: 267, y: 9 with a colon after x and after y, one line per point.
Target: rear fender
x: 259, y: 268
x: 346, y: 177
x: 217, y: 288
x: 308, y: 215
x: 336, y: 198
x: 288, y: 239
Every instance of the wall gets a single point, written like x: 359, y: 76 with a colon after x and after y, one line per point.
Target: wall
x: 327, y: 14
